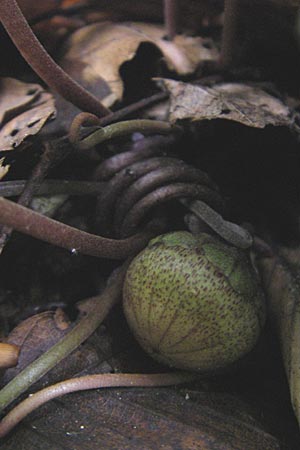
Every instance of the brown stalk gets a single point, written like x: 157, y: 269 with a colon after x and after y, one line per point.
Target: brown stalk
x: 170, y: 17
x: 41, y: 227
x: 120, y: 114
x: 53, y: 153
x: 41, y: 62
x: 229, y: 54
x: 14, y: 188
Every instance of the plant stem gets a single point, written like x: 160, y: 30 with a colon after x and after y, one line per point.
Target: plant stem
x: 53, y: 153
x: 132, y: 108
x: 170, y: 17
x: 53, y: 187
x: 85, y: 383
x: 41, y: 62
x: 229, y: 231
x: 125, y: 128
x: 230, y: 43
x: 67, y: 344
x: 41, y: 227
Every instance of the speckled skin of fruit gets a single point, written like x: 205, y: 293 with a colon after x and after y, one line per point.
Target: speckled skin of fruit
x: 193, y: 302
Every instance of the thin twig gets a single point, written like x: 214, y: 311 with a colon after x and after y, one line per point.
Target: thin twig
x: 38, y: 368
x: 41, y: 227
x: 133, y: 108
x: 36, y: 56
x: 89, y: 382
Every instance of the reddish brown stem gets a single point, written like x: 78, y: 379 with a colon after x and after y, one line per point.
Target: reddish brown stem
x: 122, y: 113
x: 85, y: 383
x: 162, y: 195
x: 41, y: 227
x: 52, y: 154
x: 170, y: 17
x: 36, y: 56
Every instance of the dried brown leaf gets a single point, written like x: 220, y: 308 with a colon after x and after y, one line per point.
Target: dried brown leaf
x: 15, y: 97
x: 238, y: 102
x: 4, y: 168
x: 151, y: 419
x: 101, y: 49
x: 24, y: 113
x: 36, y: 335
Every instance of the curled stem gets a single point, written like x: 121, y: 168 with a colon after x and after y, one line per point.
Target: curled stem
x: 160, y: 196
x: 122, y: 129
x: 85, y: 383
x: 231, y: 232
x: 41, y: 62
x: 41, y: 227
x: 38, y: 368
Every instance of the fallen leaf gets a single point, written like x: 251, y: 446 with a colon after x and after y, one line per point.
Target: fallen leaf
x: 99, y: 50
x: 144, y: 419
x: 25, y: 108
x: 36, y: 335
x: 4, y: 168
x: 16, y: 96
x: 238, y: 102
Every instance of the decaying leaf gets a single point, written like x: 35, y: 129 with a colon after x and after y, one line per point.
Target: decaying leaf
x: 48, y: 204
x: 99, y: 50
x: 4, y: 168
x: 15, y: 97
x: 24, y: 110
x: 127, y: 419
x: 36, y: 335
x: 238, y: 102
x: 280, y: 275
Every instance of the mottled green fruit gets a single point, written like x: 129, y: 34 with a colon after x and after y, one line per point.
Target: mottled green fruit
x: 193, y: 302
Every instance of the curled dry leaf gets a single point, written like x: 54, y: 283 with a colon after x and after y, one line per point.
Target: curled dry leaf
x: 280, y: 275
x: 24, y: 110
x: 238, y: 102
x: 99, y: 51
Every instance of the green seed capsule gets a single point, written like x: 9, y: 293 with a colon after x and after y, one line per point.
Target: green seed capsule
x: 193, y: 302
